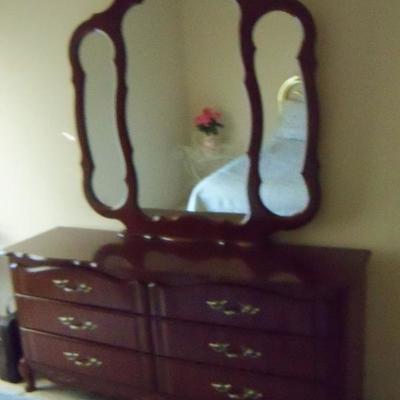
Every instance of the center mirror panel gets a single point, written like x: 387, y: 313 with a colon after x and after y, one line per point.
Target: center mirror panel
x: 187, y: 107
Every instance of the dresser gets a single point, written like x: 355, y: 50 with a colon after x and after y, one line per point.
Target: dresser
x: 202, y: 303
x: 142, y: 319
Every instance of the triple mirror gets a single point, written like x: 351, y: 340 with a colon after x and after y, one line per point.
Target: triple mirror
x: 179, y: 118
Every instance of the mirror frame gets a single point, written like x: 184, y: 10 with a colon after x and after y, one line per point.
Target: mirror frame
x: 261, y: 222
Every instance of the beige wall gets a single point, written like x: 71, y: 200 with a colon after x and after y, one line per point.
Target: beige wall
x: 40, y: 175
x: 39, y: 170
x: 214, y: 72
x: 157, y: 100
x: 278, y: 37
x: 359, y: 60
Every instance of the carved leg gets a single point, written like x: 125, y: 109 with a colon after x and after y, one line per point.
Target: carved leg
x: 27, y: 374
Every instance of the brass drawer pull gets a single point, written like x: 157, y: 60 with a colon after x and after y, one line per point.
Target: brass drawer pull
x: 246, y: 352
x: 222, y: 306
x: 84, y: 363
x: 247, y: 393
x: 72, y: 324
x: 64, y: 285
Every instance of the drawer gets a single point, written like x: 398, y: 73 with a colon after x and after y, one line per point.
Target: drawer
x: 100, y: 361
x: 238, y: 306
x: 196, y: 382
x: 78, y: 286
x: 238, y: 348
x: 87, y: 323
x: 106, y: 389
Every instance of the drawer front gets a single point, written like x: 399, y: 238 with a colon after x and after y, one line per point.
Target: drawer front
x: 78, y: 286
x: 235, y: 306
x: 87, y: 323
x: 238, y: 348
x: 109, y: 363
x: 197, y: 382
x: 103, y: 387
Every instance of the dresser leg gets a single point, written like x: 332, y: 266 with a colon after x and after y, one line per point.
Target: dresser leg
x: 27, y: 374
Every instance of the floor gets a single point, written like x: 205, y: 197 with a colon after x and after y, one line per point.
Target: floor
x: 46, y: 391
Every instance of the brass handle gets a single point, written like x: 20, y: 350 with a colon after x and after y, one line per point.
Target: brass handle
x: 65, y: 285
x: 246, y: 352
x: 222, y: 306
x: 247, y: 393
x: 222, y: 387
x: 72, y: 324
x: 83, y: 363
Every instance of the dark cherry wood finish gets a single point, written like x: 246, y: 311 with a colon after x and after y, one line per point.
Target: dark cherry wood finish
x: 103, y: 362
x: 43, y: 283
x: 179, y: 224
x: 284, y: 355
x: 283, y: 320
x: 102, y: 326
x: 26, y: 372
x: 96, y: 385
x: 199, y: 381
x: 273, y: 313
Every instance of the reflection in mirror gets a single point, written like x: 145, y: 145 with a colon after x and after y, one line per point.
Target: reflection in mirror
x: 187, y: 61
x: 184, y: 73
x: 278, y: 37
x: 96, y: 56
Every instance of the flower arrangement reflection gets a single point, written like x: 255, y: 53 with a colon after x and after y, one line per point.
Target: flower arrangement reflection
x: 209, y: 121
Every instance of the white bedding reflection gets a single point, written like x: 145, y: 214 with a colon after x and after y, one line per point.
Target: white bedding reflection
x: 283, y: 189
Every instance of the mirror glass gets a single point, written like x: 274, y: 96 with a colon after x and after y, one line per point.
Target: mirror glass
x: 188, y: 111
x: 96, y: 57
x: 278, y: 38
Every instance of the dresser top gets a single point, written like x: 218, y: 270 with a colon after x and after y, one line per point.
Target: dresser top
x: 173, y: 260
x: 67, y: 243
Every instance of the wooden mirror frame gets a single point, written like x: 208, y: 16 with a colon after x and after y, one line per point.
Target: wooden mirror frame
x: 261, y: 222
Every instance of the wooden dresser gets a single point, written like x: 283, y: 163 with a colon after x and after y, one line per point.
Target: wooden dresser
x: 147, y: 319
